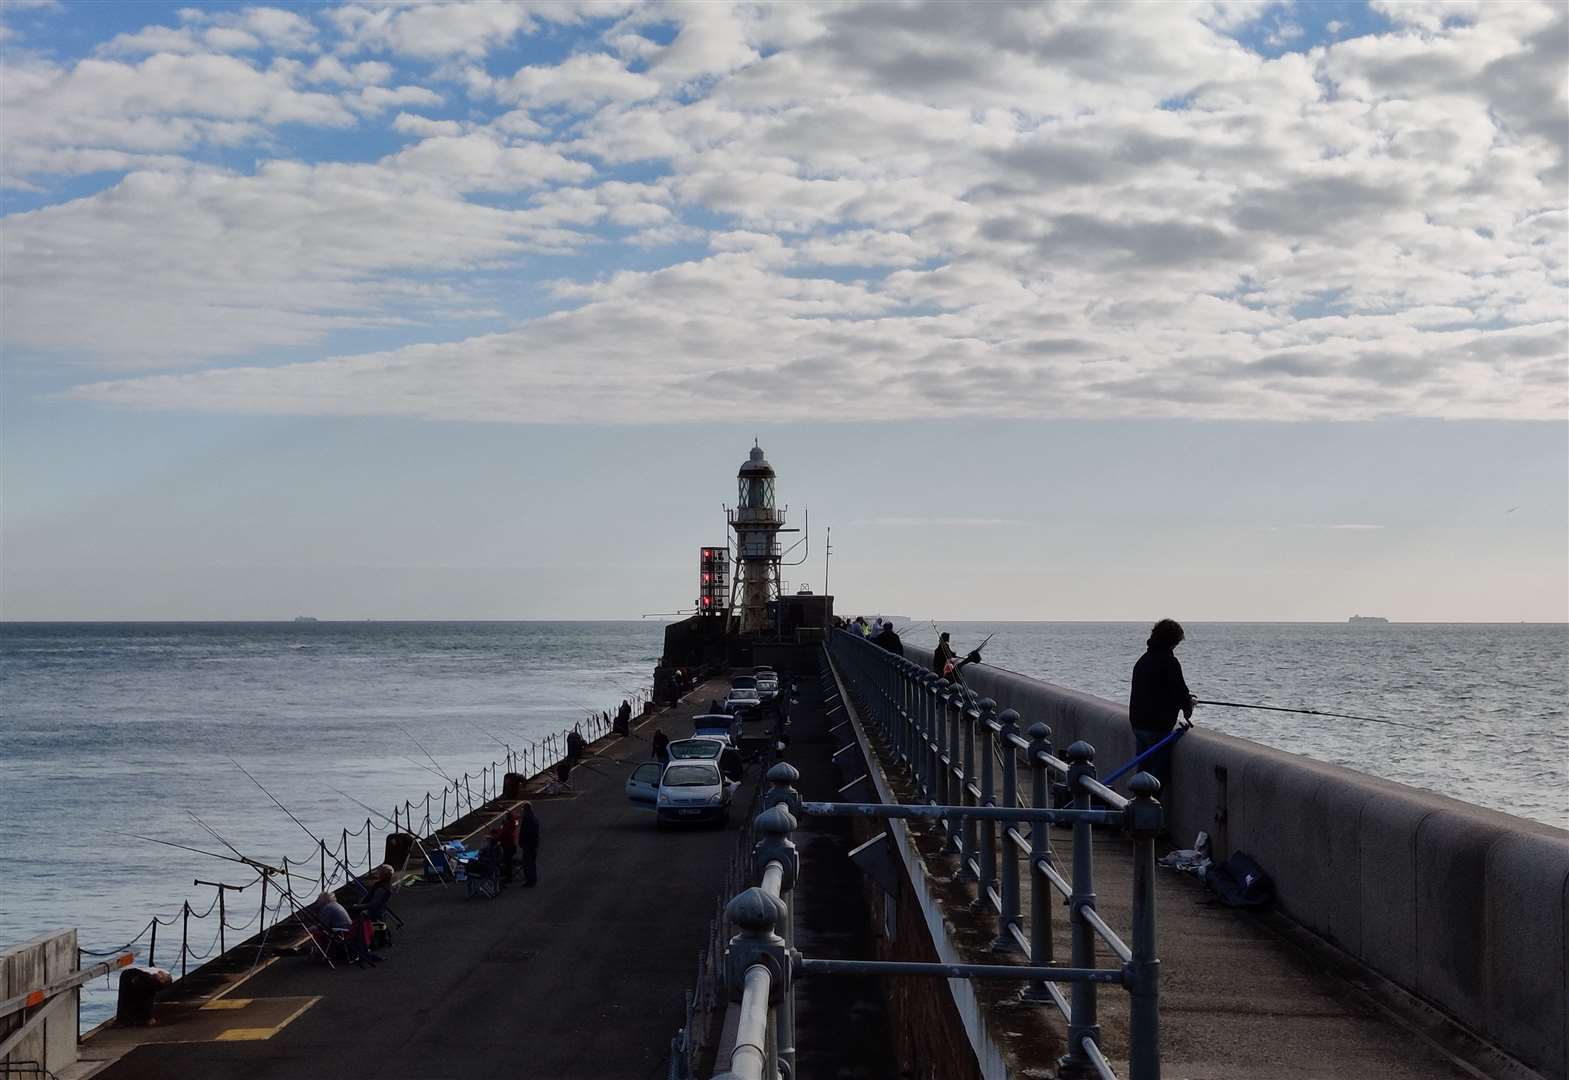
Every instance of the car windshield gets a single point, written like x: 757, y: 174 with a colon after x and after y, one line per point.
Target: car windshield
x: 695, y: 748
x: 743, y: 682
x: 691, y: 776
x: 743, y: 695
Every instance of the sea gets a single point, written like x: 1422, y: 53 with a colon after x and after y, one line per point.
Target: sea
x: 115, y: 735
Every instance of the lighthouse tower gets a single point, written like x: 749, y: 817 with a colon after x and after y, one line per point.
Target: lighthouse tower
x: 756, y: 522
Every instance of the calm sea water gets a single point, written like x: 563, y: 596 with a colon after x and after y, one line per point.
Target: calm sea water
x: 107, y: 730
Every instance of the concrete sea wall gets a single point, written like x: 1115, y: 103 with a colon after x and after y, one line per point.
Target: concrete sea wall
x: 1465, y: 907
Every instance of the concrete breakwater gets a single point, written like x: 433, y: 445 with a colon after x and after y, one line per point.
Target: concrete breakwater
x: 1466, y: 908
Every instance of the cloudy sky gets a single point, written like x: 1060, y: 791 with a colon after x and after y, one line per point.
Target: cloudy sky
x: 1230, y: 310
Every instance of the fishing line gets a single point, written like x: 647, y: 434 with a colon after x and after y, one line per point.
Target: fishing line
x: 1309, y: 712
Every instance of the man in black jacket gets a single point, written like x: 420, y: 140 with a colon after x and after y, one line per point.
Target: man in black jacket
x: 1159, y: 693
x: 889, y: 640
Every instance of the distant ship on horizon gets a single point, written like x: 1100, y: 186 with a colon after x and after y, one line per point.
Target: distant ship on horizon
x: 306, y: 618
x: 1368, y: 619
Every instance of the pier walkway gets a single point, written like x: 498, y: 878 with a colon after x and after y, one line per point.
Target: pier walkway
x: 581, y: 978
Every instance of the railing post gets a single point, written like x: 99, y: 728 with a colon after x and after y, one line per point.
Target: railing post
x: 261, y: 919
x: 185, y: 934
x: 971, y: 843
x: 1040, y: 851
x: 367, y: 842
x: 1008, y: 853
x: 223, y: 944
x: 776, y: 824
x: 1144, y: 818
x: 323, y: 845
x: 939, y: 741
x: 954, y: 792
x: 988, y: 829
x: 1083, y: 1022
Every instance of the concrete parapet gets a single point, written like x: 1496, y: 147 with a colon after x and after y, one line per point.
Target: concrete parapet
x: 1466, y: 907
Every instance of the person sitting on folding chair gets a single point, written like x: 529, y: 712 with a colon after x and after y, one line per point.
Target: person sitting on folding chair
x: 337, y: 932
x: 370, y: 913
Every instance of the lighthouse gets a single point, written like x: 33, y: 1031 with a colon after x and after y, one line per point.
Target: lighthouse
x: 757, y: 522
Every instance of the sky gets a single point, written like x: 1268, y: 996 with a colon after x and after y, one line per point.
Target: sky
x: 1051, y: 311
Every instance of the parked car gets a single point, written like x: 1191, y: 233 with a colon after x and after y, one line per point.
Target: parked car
x: 767, y: 685
x: 742, y: 702
x: 743, y: 682
x: 692, y: 791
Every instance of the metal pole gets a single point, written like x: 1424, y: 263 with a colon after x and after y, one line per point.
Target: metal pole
x: 1040, y: 851
x: 367, y: 842
x: 152, y: 946
x: 988, y: 829
x: 185, y: 933
x: 971, y: 841
x: 1146, y: 817
x: 1082, y: 1022
x: 323, y: 845
x: 1008, y: 912
x: 952, y: 777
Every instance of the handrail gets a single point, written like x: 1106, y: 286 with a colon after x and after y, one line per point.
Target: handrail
x: 964, y: 759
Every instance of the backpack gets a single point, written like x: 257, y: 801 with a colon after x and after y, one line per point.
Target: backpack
x: 1241, y: 882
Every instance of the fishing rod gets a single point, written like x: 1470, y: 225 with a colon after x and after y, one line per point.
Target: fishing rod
x: 285, y: 890
x: 348, y: 871
x: 427, y: 753
x: 1308, y: 712
x: 385, y: 820
x: 242, y: 860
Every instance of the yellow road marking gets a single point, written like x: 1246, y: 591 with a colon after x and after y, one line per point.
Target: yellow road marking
x: 256, y: 1034
x: 228, y: 1003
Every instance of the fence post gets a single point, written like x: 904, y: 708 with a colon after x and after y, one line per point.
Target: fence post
x: 425, y: 830
x: 954, y: 794
x: 152, y: 947
x: 1082, y: 1022
x: 987, y: 829
x: 261, y: 919
x: 323, y: 845
x: 776, y: 824
x: 367, y: 842
x: 1145, y: 818
x: 1040, y: 851
x: 968, y: 853
x: 185, y: 933
x: 1008, y: 853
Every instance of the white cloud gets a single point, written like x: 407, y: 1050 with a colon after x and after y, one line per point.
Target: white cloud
x: 929, y: 210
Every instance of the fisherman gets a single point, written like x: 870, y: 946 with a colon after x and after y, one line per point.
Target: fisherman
x: 624, y: 718
x: 373, y: 908
x: 1159, y: 692
x: 507, y: 836
x: 528, y: 845
x: 661, y: 745
x: 339, y: 925
x: 943, y: 655
x: 889, y: 639
x: 575, y: 746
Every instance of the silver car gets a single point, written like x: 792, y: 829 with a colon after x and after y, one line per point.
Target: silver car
x: 692, y: 791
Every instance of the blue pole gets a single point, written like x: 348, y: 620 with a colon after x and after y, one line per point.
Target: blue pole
x: 1117, y: 774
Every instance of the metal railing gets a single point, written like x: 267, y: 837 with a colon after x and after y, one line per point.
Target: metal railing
x: 951, y: 748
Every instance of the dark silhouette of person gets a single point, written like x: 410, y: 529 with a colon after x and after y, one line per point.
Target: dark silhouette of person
x: 624, y: 718
x: 528, y: 844
x: 506, y: 834
x: 889, y: 640
x: 575, y: 746
x: 1158, y: 694
x: 943, y: 655
x: 661, y: 745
